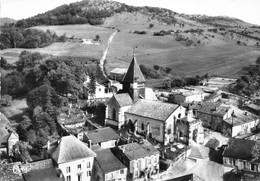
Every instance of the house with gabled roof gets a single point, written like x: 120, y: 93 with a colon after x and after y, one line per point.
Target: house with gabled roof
x: 108, y: 167
x: 154, y: 119
x: 8, y: 137
x: 103, y: 138
x: 239, y: 154
x: 141, y: 159
x: 73, y: 158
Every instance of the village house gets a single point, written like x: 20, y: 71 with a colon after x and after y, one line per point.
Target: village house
x: 188, y: 95
x: 238, y: 154
x: 101, y: 91
x: 108, y: 167
x: 141, y: 159
x: 101, y: 138
x: 73, y: 158
x: 226, y: 119
x: 118, y: 74
x: 154, y: 119
x: 239, y: 123
x: 8, y: 138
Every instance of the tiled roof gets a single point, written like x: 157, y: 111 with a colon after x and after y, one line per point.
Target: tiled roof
x: 212, y: 143
x: 102, y: 135
x: 70, y: 148
x: 7, y: 173
x: 200, y: 152
x: 239, y: 149
x: 152, y: 109
x: 43, y: 170
x: 135, y: 151
x: 134, y: 73
x: 240, y: 117
x: 123, y: 99
x: 148, y: 94
x: 108, y: 161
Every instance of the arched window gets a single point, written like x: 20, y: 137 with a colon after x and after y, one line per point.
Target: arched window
x: 114, y: 114
x: 142, y: 126
x: 179, y: 115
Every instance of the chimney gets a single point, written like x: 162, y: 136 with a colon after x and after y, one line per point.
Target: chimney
x: 48, y: 145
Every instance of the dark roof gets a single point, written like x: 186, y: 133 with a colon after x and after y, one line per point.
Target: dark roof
x: 69, y: 148
x: 108, y: 162
x: 212, y: 143
x: 102, y: 135
x: 43, y: 171
x: 239, y: 149
x: 134, y: 73
x: 123, y: 99
x: 7, y: 173
x: 152, y: 109
x: 135, y: 151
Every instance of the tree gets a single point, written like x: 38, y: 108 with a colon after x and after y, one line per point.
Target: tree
x: 92, y: 85
x: 3, y: 62
x: 21, y: 151
x: 97, y: 38
x: 151, y: 25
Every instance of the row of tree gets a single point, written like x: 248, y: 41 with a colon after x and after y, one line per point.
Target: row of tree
x: 48, y: 82
x: 13, y: 37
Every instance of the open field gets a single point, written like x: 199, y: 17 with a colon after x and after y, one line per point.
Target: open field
x: 72, y: 48
x: 16, y: 110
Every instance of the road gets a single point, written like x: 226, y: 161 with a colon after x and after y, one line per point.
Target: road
x: 103, y: 58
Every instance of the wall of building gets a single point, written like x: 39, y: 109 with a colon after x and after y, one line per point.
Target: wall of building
x: 118, y: 174
x: 243, y: 128
x: 241, y: 164
x: 150, y: 162
x: 85, y: 171
x: 210, y: 121
x: 108, y: 144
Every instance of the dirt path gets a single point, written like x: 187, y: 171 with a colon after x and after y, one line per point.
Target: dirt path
x: 103, y: 58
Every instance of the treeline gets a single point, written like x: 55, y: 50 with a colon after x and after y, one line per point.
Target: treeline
x: 48, y: 82
x: 12, y: 37
x: 246, y: 34
x: 184, y: 81
x: 248, y: 84
x: 154, y: 73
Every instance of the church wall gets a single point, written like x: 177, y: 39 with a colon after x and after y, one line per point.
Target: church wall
x: 156, y: 126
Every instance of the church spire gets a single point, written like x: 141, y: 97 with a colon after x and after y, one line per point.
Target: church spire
x: 134, y: 73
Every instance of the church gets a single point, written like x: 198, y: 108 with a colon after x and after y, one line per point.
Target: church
x: 137, y: 107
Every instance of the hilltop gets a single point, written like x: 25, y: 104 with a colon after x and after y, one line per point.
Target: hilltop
x: 187, y: 44
x: 5, y: 20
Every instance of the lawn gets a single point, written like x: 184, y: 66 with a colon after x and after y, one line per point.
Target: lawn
x: 17, y: 109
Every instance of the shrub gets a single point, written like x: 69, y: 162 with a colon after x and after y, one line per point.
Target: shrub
x: 139, y: 32
x: 151, y: 25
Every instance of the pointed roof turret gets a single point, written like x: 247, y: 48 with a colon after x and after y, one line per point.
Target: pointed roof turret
x: 134, y: 73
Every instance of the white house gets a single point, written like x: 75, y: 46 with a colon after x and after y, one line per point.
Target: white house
x: 73, y: 158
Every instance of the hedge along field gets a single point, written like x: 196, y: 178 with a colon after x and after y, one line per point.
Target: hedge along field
x: 73, y: 48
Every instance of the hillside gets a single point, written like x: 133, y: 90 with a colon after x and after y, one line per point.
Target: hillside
x: 187, y: 44
x: 6, y: 20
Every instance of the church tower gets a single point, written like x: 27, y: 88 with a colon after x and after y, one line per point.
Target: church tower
x: 133, y: 80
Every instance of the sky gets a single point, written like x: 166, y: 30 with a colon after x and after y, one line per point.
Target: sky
x: 247, y: 10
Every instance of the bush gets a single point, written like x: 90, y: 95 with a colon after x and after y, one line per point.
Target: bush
x: 139, y: 32
x: 151, y: 25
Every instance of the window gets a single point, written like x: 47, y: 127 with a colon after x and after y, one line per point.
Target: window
x: 179, y: 115
x: 122, y: 171
x: 99, y: 89
x: 79, y: 167
x: 142, y: 126
x: 88, y: 165
x: 148, y: 161
x: 88, y: 173
x: 253, y: 167
x: 68, y: 178
x: 68, y: 169
x: 79, y: 177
